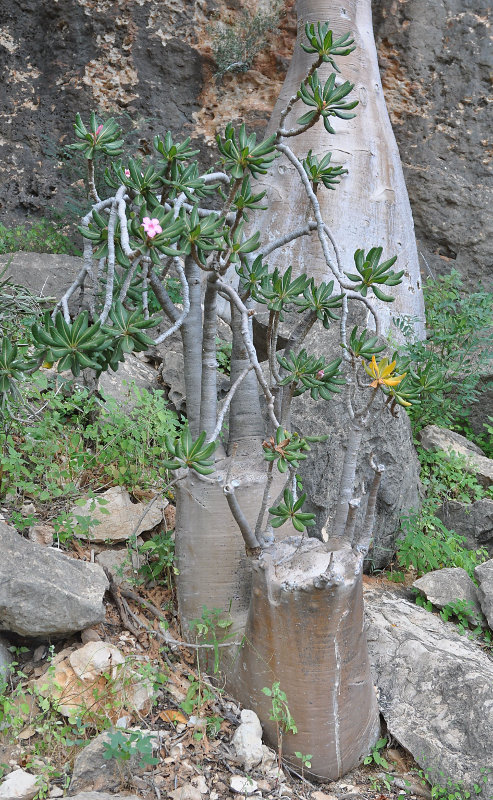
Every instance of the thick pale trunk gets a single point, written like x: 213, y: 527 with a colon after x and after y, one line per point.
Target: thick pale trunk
x: 214, y: 569
x: 370, y: 207
x: 305, y: 629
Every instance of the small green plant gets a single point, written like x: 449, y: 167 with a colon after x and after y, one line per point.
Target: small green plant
x: 446, y: 477
x: 306, y: 762
x: 199, y: 693
x: 223, y: 355
x: 464, y: 613
x: 280, y: 714
x: 159, y: 551
x: 376, y: 757
x: 428, y: 545
x: 124, y: 745
x: 207, y: 626
x: 448, y: 789
x: 235, y: 46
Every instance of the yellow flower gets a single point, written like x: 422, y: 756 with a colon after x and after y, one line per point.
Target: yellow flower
x: 382, y: 373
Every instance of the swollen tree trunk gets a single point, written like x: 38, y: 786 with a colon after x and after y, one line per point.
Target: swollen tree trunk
x: 305, y: 630
x: 370, y: 207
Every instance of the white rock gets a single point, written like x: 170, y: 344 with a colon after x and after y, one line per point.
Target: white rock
x: 118, y: 516
x: 247, y: 740
x: 242, y: 785
x: 94, y: 659
x: 186, y: 792
x: 18, y: 785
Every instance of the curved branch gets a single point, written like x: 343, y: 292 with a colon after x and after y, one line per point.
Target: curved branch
x: 235, y: 298
x: 227, y: 403
x: 186, y: 299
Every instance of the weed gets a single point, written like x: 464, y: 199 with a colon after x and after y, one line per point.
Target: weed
x: 456, y: 344
x: 223, y: 355
x: 159, y: 551
x: 124, y: 745
x: 206, y: 628
x: 199, y: 693
x: 280, y: 714
x: 448, y: 789
x: 376, y: 757
x: 305, y: 761
x: 428, y: 545
x: 464, y: 613
x: 42, y: 236
x: 235, y: 46
x: 445, y: 477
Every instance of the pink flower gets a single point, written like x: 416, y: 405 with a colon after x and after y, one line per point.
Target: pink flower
x: 319, y: 375
x: 151, y: 226
x: 98, y: 131
x: 127, y: 173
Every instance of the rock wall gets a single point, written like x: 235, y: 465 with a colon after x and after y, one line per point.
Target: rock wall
x: 149, y: 63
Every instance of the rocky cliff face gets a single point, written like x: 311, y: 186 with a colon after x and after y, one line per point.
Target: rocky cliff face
x: 149, y: 63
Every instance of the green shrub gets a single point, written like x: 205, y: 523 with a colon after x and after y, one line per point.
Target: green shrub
x: 458, y: 342
x: 42, y: 236
x: 235, y: 46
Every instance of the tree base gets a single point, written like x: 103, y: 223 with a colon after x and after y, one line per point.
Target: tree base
x: 305, y: 629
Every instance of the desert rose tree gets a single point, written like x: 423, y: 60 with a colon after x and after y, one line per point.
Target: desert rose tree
x: 236, y: 463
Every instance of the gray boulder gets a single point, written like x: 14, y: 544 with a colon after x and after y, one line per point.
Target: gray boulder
x: 6, y: 659
x: 484, y: 575
x: 434, y: 438
x: 44, y: 592
x: 44, y: 274
x: 443, y: 586
x: 434, y: 689
x: 474, y: 521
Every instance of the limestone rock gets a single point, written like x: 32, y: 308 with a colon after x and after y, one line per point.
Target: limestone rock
x: 484, y: 574
x: 133, y: 371
x: 247, y: 740
x: 186, y: 792
x: 434, y: 689
x: 122, y: 565
x: 240, y: 784
x: 97, y: 677
x: 474, y: 521
x: 93, y: 773
x: 118, y: 516
x: 44, y: 592
x: 443, y: 586
x: 41, y: 534
x: 6, y: 658
x: 434, y: 438
x: 18, y: 785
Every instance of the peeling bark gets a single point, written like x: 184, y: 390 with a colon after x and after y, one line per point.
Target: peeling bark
x: 305, y: 629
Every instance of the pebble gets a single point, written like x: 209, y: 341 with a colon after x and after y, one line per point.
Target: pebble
x: 242, y: 785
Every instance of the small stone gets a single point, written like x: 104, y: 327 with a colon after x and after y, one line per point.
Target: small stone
x: 186, y: 792
x: 322, y: 796
x: 90, y: 635
x: 28, y: 509
x: 18, y: 785
x: 247, y: 740
x: 200, y: 783
x: 40, y: 652
x: 56, y: 792
x: 264, y: 785
x: 41, y: 534
x: 242, y: 785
